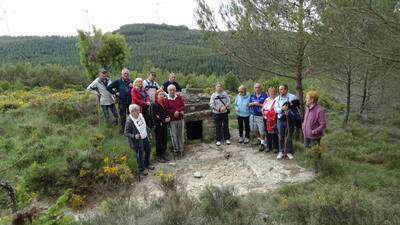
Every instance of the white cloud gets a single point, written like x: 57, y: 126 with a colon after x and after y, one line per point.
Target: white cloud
x: 64, y: 17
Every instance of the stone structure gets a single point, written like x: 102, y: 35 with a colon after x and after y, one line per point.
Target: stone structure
x: 198, y: 118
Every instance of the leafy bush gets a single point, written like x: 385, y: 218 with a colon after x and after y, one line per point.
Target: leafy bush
x: 335, y: 204
x: 231, y: 82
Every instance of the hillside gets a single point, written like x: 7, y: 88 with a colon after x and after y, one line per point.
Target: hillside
x: 173, y: 48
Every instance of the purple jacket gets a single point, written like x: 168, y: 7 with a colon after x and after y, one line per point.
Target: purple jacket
x: 314, y: 122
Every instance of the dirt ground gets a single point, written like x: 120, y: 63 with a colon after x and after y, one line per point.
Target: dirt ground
x: 246, y: 170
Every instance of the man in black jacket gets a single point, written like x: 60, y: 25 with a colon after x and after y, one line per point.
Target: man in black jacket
x: 136, y: 132
x: 123, y: 89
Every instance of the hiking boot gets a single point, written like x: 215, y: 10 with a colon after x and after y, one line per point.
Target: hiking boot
x: 280, y: 155
x: 290, y: 156
x: 218, y: 143
x: 144, y: 173
x: 262, y: 148
x: 246, y: 141
x: 228, y: 142
x: 149, y: 167
x: 165, y: 158
x: 161, y: 160
x: 240, y: 140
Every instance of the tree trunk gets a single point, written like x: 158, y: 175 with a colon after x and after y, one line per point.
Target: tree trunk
x: 301, y: 45
x: 364, y: 93
x: 348, y: 99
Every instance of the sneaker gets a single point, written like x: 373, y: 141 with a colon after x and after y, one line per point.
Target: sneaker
x: 246, y: 141
x: 256, y: 142
x: 228, y: 142
x: 240, y: 140
x: 290, y: 156
x: 262, y: 148
x: 280, y: 155
x: 218, y: 143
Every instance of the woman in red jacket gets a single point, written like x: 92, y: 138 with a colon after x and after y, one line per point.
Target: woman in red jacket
x: 140, y: 97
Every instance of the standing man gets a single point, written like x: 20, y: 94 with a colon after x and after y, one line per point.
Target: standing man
x: 122, y: 88
x: 285, y: 105
x: 257, y: 124
x: 220, y: 106
x: 151, y: 86
x: 136, y: 132
x: 172, y: 80
x: 175, y: 108
x: 105, y: 98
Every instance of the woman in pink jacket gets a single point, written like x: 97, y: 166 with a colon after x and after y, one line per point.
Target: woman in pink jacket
x: 314, y: 122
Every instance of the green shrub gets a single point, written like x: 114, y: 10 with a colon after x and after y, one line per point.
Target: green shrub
x: 335, y: 204
x: 231, y: 82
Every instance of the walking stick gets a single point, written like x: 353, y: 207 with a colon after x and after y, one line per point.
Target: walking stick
x: 183, y: 136
x: 286, y: 135
x: 172, y: 140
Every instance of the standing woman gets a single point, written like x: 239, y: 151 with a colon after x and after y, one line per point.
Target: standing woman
x: 140, y: 97
x: 161, y: 120
x: 242, y: 110
x: 270, y: 121
x: 314, y: 120
x: 220, y: 106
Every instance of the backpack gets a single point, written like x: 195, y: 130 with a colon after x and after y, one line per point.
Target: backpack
x: 295, y: 118
x: 271, y: 118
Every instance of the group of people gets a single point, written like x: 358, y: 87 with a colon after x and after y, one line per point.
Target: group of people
x: 144, y: 105
x: 271, y: 118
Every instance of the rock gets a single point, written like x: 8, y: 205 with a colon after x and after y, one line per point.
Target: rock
x: 197, y: 175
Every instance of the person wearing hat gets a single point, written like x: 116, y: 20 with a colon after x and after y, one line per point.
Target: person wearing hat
x: 122, y: 88
x: 106, y: 98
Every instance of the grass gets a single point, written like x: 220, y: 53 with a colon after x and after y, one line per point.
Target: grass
x: 46, y: 148
x: 356, y: 183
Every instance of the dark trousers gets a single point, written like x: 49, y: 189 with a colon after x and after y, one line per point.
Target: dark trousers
x: 106, y: 113
x: 221, y: 122
x: 161, y: 138
x: 246, y: 122
x: 123, y: 110
x: 285, y: 133
x: 308, y: 143
x: 146, y: 115
x: 143, y: 154
x: 273, y: 141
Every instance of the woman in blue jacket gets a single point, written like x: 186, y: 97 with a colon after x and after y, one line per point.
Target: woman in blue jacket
x: 242, y: 111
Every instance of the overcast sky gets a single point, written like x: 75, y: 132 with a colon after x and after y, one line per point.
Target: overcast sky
x: 64, y: 17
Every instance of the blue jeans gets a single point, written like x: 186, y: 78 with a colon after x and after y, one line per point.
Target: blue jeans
x: 285, y: 135
x: 143, y: 154
x: 107, y: 113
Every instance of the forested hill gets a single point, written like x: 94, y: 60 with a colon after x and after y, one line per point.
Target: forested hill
x: 174, y: 48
